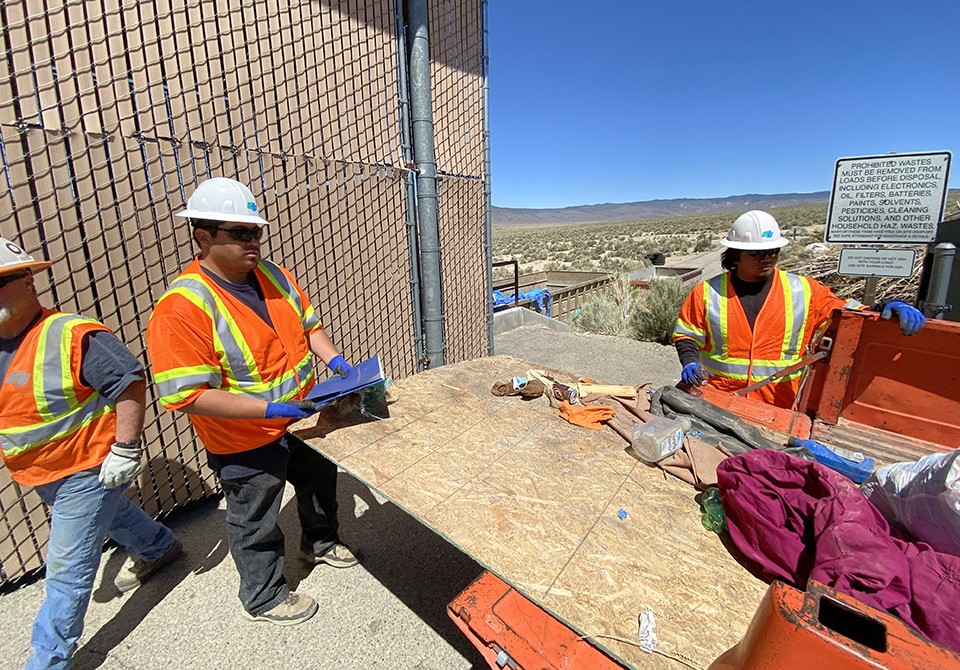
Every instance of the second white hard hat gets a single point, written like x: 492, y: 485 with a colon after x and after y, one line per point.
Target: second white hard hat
x: 13, y: 258
x: 223, y: 199
x: 754, y: 230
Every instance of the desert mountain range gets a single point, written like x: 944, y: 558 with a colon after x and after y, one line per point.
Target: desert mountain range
x: 650, y: 209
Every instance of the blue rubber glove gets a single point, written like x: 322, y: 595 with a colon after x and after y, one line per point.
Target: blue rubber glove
x: 339, y: 366
x: 291, y: 409
x: 911, y: 319
x: 694, y: 374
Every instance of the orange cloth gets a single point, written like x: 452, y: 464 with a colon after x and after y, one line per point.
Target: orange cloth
x: 590, y: 416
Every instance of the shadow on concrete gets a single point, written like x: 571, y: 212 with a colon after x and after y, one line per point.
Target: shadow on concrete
x: 204, y: 547
x: 416, y: 565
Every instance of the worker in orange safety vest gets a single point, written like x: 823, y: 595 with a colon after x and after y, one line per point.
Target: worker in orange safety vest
x: 754, y: 320
x: 231, y: 344
x: 71, y: 412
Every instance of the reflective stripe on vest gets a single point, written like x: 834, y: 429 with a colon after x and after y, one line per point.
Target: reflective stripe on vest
x: 238, y: 372
x: 796, y: 300
x: 310, y: 320
x: 684, y: 329
x: 53, y: 392
x: 715, y: 298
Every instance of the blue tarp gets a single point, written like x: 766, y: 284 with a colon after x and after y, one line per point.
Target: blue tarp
x: 540, y: 299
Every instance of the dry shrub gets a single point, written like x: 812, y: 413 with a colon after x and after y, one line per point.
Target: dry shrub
x: 654, y: 317
x: 609, y: 314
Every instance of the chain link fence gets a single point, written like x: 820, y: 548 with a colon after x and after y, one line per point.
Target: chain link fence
x: 112, y: 112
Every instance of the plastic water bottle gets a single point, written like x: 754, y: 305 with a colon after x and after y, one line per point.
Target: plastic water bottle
x: 713, y: 517
x: 658, y: 438
x: 373, y: 400
x: 852, y: 464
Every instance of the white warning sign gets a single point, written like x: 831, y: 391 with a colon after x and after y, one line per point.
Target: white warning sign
x: 897, y: 198
x: 874, y: 262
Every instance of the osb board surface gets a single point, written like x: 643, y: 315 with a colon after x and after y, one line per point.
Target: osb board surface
x: 538, y: 502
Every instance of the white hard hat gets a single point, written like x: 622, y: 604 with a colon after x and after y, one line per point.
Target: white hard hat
x: 13, y: 258
x: 222, y: 199
x: 754, y: 230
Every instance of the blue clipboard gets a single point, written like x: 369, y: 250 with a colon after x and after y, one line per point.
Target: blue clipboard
x: 364, y: 374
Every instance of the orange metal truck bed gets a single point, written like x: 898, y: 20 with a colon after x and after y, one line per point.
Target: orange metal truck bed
x: 791, y: 630
x: 511, y: 632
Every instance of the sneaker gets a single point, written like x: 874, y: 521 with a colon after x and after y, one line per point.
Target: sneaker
x: 135, y: 571
x: 295, y: 608
x: 338, y: 556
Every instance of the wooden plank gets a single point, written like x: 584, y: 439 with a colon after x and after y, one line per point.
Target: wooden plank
x: 561, y: 513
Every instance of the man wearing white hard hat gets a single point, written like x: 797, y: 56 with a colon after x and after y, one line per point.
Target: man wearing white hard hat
x: 73, y: 433
x: 231, y: 344
x: 754, y: 320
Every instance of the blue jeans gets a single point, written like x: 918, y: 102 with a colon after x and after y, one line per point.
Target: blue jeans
x: 83, y: 515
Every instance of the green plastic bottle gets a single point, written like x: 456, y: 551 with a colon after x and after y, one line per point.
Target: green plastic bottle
x: 713, y: 518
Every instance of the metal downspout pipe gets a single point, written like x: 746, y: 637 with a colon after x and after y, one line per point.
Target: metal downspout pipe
x: 487, y: 220
x: 410, y: 189
x: 427, y: 200
x: 935, y: 305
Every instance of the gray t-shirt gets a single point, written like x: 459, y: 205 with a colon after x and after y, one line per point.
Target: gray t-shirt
x: 250, y: 294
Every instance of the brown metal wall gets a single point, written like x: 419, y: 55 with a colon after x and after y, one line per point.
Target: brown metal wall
x: 112, y: 112
x: 456, y: 52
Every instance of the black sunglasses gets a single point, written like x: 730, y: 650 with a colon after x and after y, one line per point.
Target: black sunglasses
x: 13, y: 276
x: 761, y: 253
x: 239, y: 234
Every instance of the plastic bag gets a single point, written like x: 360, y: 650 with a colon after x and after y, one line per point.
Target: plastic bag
x: 922, y: 497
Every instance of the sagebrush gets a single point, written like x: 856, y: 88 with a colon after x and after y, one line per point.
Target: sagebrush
x: 611, y: 313
x: 654, y: 317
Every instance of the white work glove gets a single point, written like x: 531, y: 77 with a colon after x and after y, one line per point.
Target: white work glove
x: 122, y: 464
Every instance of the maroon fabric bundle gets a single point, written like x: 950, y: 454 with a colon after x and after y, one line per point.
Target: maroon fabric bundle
x: 797, y: 520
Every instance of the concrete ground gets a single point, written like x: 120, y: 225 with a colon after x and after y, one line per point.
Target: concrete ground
x: 387, y: 613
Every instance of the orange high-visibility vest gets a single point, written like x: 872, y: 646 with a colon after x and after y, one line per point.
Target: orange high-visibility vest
x: 201, y: 337
x: 737, y: 356
x: 51, y: 423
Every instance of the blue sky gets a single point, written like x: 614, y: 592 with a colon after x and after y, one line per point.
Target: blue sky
x: 629, y: 100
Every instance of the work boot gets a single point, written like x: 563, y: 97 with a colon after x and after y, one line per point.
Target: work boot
x: 338, y: 556
x: 295, y: 608
x: 135, y: 571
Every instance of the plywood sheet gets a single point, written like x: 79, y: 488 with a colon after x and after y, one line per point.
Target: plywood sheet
x: 561, y: 513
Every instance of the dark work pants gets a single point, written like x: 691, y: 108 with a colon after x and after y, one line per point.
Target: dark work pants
x: 253, y: 509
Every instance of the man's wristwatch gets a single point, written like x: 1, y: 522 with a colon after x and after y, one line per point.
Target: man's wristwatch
x: 127, y: 448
